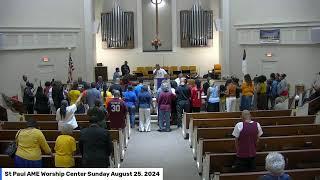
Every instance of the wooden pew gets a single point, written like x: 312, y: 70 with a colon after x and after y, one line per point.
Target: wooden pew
x: 4, y: 144
x: 51, y: 135
x: 187, y: 117
x: 268, y: 131
x: 296, y: 174
x: 47, y: 161
x: 79, y: 117
x: 221, y: 163
x: 53, y: 125
x: 314, y: 106
x: 264, y: 121
x: 43, y: 125
x: 52, y: 117
x: 264, y: 144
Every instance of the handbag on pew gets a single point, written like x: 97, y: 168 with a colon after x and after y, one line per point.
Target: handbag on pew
x: 12, y: 147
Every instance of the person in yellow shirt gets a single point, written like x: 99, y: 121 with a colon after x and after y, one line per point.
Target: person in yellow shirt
x: 30, y: 143
x: 74, y: 94
x: 65, y: 147
x: 247, y: 93
x: 106, y: 95
x: 262, y: 103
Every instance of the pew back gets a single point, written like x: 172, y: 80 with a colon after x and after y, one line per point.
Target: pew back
x: 264, y: 144
x: 217, y: 115
x: 268, y: 131
x: 47, y: 161
x: 51, y: 135
x: 43, y: 125
x: 52, y: 117
x: 296, y: 174
x: 295, y: 159
x: 264, y: 121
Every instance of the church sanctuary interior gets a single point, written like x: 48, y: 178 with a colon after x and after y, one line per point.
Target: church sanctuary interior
x: 205, y: 89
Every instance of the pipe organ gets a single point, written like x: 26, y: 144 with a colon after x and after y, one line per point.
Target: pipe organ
x: 196, y: 27
x: 117, y: 29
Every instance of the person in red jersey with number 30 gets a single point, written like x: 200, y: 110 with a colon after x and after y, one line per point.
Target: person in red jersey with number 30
x: 117, y: 111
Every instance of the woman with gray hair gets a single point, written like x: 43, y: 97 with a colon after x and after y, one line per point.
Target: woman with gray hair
x: 275, y: 164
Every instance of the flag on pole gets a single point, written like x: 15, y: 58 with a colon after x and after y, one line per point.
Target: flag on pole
x: 244, y: 63
x: 70, y: 69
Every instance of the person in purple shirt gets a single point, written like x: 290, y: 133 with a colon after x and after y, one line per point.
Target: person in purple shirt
x: 144, y: 103
x: 130, y: 99
x: 92, y: 95
x: 246, y: 135
x: 164, y: 103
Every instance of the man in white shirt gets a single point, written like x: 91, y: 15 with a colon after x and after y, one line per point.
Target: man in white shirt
x: 159, y: 75
x: 179, y: 78
x: 246, y: 135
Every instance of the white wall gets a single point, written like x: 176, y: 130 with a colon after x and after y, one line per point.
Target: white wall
x: 44, y: 13
x: 149, y: 24
x: 47, y: 15
x: 299, y: 62
x: 14, y: 64
x: 203, y: 58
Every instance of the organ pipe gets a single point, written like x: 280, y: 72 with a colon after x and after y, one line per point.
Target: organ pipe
x: 196, y: 26
x: 117, y: 29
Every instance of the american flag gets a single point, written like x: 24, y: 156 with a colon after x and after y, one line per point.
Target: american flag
x: 70, y: 69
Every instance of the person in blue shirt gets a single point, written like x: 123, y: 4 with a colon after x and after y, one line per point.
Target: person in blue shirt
x: 138, y: 88
x: 213, y: 97
x: 130, y: 99
x: 144, y: 103
x: 92, y: 95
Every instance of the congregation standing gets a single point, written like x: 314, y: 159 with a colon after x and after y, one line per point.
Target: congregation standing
x: 104, y: 102
x: 186, y: 95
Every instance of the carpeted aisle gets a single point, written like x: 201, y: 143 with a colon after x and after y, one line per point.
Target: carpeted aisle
x: 162, y: 150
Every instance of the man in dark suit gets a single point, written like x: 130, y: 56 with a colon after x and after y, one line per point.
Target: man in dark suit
x: 95, y: 145
x: 125, y: 69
